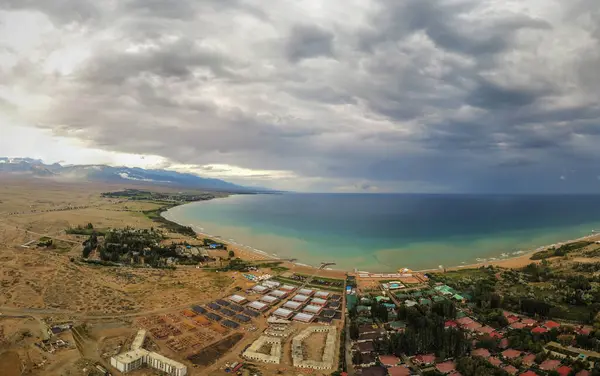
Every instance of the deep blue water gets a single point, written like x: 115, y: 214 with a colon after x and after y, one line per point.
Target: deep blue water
x: 388, y: 231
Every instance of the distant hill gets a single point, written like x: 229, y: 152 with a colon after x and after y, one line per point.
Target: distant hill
x: 110, y: 174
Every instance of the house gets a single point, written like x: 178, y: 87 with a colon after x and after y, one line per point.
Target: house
x: 564, y: 370
x: 484, y: 353
x: 369, y: 337
x: 366, y: 329
x: 367, y: 360
x: 410, y: 303
x: 550, y: 365
x: 510, y: 369
x: 472, y: 326
x: 494, y: 361
x: 529, y: 373
x: 511, y: 354
x: 398, y: 326
x: 389, y: 360
x: 512, y: 319
x: 485, y: 330
x: 551, y: 325
x: 528, y: 360
x: 503, y: 343
x: 464, y: 321
x: 539, y: 330
x: 517, y: 325
x: 529, y: 322
x: 450, y: 324
x: 398, y: 371
x: 362, y: 310
x: 424, y: 359
x: 583, y: 373
x: 366, y: 347
x: 445, y: 367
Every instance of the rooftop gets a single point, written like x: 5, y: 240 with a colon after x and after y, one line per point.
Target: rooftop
x: 446, y: 367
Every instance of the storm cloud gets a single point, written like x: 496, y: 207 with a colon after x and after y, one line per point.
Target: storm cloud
x: 342, y: 95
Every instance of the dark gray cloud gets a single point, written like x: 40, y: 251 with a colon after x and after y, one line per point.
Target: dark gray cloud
x: 307, y: 41
x: 426, y: 95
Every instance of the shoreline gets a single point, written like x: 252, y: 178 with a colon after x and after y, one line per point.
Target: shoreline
x: 517, y: 260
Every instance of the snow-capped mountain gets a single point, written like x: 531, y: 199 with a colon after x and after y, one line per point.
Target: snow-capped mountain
x: 36, y: 167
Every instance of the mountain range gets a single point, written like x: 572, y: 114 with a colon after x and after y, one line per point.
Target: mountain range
x: 110, y: 174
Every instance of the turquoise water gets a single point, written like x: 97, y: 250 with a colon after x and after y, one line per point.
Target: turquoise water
x: 385, y: 232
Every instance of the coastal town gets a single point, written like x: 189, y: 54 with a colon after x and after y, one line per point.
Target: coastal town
x: 112, y: 288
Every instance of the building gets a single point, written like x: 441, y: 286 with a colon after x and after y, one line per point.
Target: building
x: 322, y: 294
x: 300, y: 298
x: 312, y: 309
x: 237, y: 299
x: 288, y: 288
x: 282, y: 312
x: 307, y: 292
x: 253, y: 352
x: 303, y: 317
x: 292, y: 305
x: 260, y: 289
x: 318, y: 301
x: 269, y: 299
x: 259, y: 306
x: 272, y: 284
x: 327, y: 361
x: 137, y: 357
x: 279, y: 294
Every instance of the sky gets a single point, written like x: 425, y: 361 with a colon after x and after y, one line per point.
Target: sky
x: 337, y: 95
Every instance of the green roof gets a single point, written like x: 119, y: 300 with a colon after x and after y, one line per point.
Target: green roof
x: 425, y: 302
x: 380, y: 298
x: 460, y: 314
x: 457, y: 297
x: 351, y: 301
x: 362, y: 308
x: 402, y: 296
x: 397, y: 324
x: 417, y: 294
x: 438, y: 298
x: 429, y: 292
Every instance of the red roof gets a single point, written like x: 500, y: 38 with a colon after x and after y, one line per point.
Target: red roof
x: 564, y: 370
x: 517, y: 325
x: 481, y: 352
x: 506, y: 314
x: 464, y: 320
x: 494, y: 361
x: 398, y: 371
x: 549, y: 364
x: 584, y: 330
x: 497, y: 335
x: 450, y: 324
x: 445, y: 367
x: 529, y: 373
x: 485, y: 329
x: 503, y: 343
x: 529, y: 322
x: 528, y: 359
x: 512, y: 319
x: 511, y: 353
x: 472, y: 326
x: 425, y: 358
x: 583, y: 373
x: 388, y: 360
x: 551, y: 324
x: 510, y: 369
x: 539, y: 330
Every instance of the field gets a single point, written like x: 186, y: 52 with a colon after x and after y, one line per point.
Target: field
x: 43, y: 280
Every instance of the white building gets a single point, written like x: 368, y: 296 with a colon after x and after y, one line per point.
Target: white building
x: 137, y: 357
x: 253, y: 352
